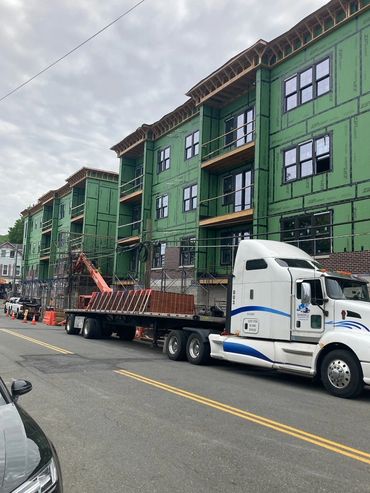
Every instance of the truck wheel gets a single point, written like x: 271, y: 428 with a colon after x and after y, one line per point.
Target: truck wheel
x: 70, y: 328
x: 197, y: 350
x: 176, y: 345
x: 341, y: 374
x: 127, y: 333
x: 91, y: 329
x: 19, y: 315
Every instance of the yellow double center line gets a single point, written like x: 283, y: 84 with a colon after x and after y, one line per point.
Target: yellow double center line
x: 336, y: 447
x: 36, y: 341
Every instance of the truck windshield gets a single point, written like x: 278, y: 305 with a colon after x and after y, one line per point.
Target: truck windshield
x: 346, y: 289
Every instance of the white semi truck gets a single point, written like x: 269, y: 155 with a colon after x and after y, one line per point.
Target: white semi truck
x: 284, y: 312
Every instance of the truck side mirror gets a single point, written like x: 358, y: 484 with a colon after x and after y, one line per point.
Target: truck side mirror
x: 306, y: 292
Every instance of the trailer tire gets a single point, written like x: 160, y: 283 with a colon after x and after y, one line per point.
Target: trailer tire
x: 198, y: 350
x: 91, y: 329
x: 127, y: 333
x: 176, y: 345
x: 341, y: 374
x: 70, y: 328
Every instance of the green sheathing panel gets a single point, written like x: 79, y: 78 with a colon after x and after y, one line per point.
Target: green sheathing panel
x: 343, y: 113
x: 99, y: 227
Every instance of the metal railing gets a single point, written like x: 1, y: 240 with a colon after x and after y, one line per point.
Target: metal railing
x: 47, y: 224
x: 216, y: 146
x: 45, y: 251
x: 211, y: 207
x: 131, y: 186
x: 77, y: 210
x: 129, y: 229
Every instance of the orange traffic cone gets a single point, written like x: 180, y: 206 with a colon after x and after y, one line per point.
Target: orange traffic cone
x: 13, y: 315
x: 24, y: 321
x: 33, y: 320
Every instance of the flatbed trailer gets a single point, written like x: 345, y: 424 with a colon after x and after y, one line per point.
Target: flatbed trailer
x: 122, y: 312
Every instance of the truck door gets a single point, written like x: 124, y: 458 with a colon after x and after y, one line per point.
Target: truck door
x: 308, y: 318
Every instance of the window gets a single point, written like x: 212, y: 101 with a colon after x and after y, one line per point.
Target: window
x: 307, y: 159
x: 239, y: 129
x: 256, y: 264
x: 61, y: 211
x: 159, y: 252
x: 12, y: 253
x: 307, y: 85
x: 5, y: 270
x: 164, y: 159
x: 316, y: 291
x: 311, y: 232
x: 238, y: 190
x: 187, y: 251
x: 190, y: 198
x: 229, y: 244
x: 162, y: 207
x: 192, y: 145
x: 3, y: 253
x: 17, y: 270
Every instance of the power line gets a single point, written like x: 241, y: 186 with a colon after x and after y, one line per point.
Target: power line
x: 71, y: 51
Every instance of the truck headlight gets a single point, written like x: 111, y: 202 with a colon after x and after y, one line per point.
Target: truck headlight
x: 42, y: 481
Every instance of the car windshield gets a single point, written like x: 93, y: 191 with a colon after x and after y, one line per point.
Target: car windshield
x: 346, y: 289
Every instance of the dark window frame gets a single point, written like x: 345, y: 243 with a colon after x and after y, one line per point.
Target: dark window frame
x: 191, y: 199
x: 229, y: 241
x: 187, y: 251
x: 314, y: 84
x: 161, y: 210
x: 231, y: 137
x: 304, y: 235
x: 193, y: 147
x: 315, y: 158
x: 159, y: 255
x: 229, y: 197
x: 163, y: 162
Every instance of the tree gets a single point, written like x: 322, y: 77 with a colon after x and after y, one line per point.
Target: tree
x: 15, y: 232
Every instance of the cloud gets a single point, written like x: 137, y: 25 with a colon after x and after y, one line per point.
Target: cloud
x: 135, y: 72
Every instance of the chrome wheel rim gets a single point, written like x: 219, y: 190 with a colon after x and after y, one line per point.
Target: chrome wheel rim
x: 173, y: 345
x: 194, y: 348
x: 339, y: 374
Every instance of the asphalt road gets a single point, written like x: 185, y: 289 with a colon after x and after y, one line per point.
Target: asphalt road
x: 124, y: 418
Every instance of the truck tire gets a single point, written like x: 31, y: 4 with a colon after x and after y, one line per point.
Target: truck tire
x: 176, y: 345
x: 91, y: 329
x: 341, y: 374
x: 197, y: 350
x: 127, y: 333
x: 70, y: 328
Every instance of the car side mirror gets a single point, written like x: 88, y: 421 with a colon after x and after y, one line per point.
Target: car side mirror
x: 20, y: 387
x: 306, y: 292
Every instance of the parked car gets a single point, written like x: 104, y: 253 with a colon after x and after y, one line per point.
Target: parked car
x: 28, y: 460
x: 20, y: 305
x: 8, y: 303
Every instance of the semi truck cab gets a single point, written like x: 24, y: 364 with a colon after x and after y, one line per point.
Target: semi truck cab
x: 290, y: 314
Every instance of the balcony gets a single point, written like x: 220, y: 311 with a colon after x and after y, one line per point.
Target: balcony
x: 132, y: 190
x: 229, y: 150
x: 77, y: 212
x: 45, y: 253
x: 234, y: 206
x: 129, y: 234
x: 47, y: 226
x: 75, y: 242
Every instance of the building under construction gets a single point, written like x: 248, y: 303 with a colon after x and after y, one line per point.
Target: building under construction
x: 79, y: 216
x: 272, y: 145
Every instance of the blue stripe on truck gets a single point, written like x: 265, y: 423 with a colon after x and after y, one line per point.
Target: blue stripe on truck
x: 232, y: 347
x: 258, y: 309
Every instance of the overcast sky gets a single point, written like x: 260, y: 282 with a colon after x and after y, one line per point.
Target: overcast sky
x: 133, y: 73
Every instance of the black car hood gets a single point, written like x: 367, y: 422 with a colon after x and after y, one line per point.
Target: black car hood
x: 24, y: 448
